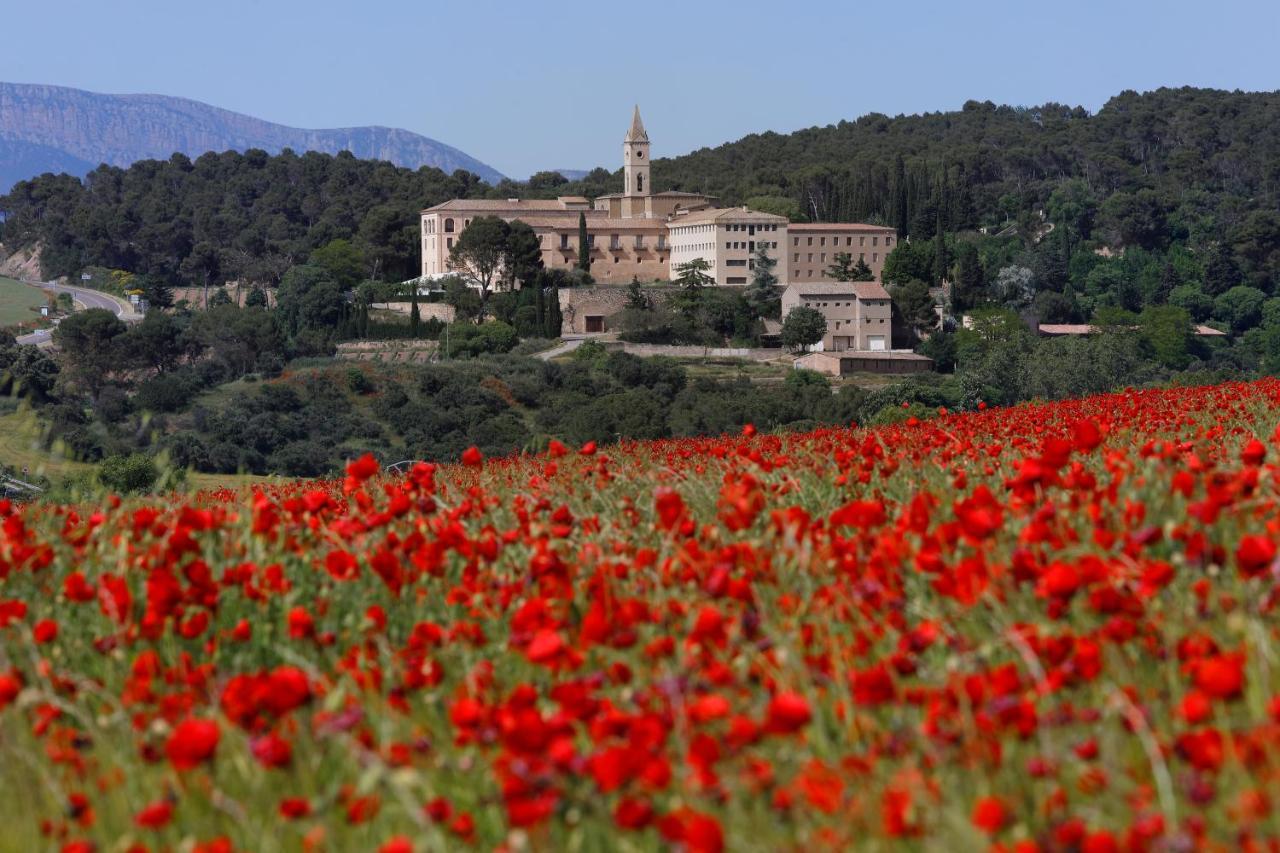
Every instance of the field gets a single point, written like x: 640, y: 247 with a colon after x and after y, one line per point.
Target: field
x: 1049, y: 627
x: 16, y: 302
x: 21, y: 447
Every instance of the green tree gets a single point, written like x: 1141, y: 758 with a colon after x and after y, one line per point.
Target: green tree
x: 842, y: 269
x: 941, y: 256
x: 803, y: 327
x: 309, y: 299
x: 465, y: 301
x: 88, y: 342
x: 692, y: 275
x: 909, y: 260
x: 132, y: 474
x: 637, y: 299
x: 1193, y: 300
x: 342, y: 260
x: 1167, y: 330
x: 968, y: 291
x: 523, y: 259
x: 479, y: 252
x: 862, y: 272
x: 915, y: 306
x: 1241, y: 307
x: 762, y: 293
x: 584, y: 244
x: 1220, y: 270
x: 202, y: 265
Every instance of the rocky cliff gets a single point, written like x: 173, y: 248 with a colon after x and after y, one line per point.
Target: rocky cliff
x: 56, y: 129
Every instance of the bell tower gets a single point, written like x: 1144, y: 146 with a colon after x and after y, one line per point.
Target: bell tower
x: 635, y: 170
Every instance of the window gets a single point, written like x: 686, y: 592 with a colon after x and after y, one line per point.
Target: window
x: 822, y: 241
x: 639, y: 183
x: 848, y: 241
x: 615, y: 242
x: 735, y: 263
x: 639, y: 241
x: 795, y: 241
x: 564, y: 241
x: 862, y: 241
x: 591, y: 242
x: 875, y: 257
x: 810, y: 239
x: 449, y: 242
x: 824, y: 257
x: 448, y: 226
x: 862, y: 256
x: 875, y: 241
x: 736, y: 279
x: 810, y: 258
x: 795, y: 259
x: 751, y: 231
x: 888, y: 241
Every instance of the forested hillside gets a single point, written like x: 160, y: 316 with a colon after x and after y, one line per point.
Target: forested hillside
x: 1173, y: 167
x: 228, y: 216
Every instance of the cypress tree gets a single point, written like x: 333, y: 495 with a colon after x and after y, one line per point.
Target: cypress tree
x: 941, y: 260
x: 900, y: 214
x: 584, y: 245
x: 415, y: 317
x: 554, y: 319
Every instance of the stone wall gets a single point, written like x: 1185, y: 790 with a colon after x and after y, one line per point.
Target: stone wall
x: 426, y: 310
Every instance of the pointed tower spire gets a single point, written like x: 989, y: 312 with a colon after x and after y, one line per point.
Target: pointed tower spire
x: 636, y: 133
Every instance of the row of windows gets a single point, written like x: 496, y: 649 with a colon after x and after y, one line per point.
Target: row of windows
x: 848, y: 241
x: 822, y: 257
x: 751, y: 229
x: 615, y: 242
x: 750, y: 245
x: 865, y: 321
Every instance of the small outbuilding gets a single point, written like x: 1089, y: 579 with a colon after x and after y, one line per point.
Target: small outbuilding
x: 865, y: 361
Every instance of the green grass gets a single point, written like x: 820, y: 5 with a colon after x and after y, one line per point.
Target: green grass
x: 17, y: 301
x: 21, y: 447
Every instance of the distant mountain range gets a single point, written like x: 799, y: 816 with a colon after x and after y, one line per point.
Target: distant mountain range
x: 56, y: 129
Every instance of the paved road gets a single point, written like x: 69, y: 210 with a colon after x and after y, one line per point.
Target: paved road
x: 560, y: 349
x: 88, y: 299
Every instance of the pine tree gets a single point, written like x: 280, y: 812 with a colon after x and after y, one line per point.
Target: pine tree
x: 862, y: 272
x: 762, y: 294
x: 843, y: 268
x: 584, y: 244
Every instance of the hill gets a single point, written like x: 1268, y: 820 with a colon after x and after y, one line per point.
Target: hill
x: 57, y: 129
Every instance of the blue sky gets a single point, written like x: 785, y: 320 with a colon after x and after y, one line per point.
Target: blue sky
x: 532, y: 85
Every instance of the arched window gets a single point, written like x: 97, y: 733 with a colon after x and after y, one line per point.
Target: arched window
x: 448, y: 226
x: 639, y: 183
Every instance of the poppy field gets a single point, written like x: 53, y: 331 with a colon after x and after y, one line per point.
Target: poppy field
x: 1049, y: 627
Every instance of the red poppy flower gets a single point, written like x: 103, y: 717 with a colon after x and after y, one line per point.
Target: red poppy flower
x: 990, y: 814
x: 192, y: 743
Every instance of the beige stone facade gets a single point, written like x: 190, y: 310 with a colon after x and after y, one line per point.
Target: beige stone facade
x: 812, y: 247
x: 728, y: 239
x: 858, y: 313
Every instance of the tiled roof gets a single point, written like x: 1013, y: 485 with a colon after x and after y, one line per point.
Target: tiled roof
x: 726, y: 214
x: 494, y: 205
x: 663, y: 194
x: 858, y: 289
x: 572, y: 199
x: 1087, y: 329
x: 837, y: 226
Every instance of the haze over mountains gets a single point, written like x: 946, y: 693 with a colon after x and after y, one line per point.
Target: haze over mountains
x: 58, y: 129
